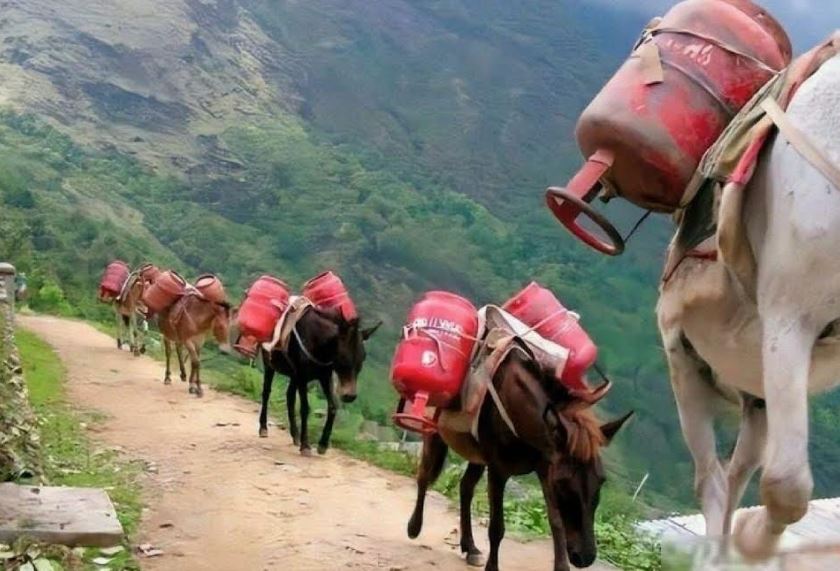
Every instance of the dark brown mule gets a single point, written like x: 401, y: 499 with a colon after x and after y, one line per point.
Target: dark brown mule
x: 559, y: 438
x: 322, y: 343
x: 186, y: 324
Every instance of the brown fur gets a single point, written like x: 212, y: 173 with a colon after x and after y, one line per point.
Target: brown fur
x: 186, y: 324
x: 126, y: 310
x: 557, y: 437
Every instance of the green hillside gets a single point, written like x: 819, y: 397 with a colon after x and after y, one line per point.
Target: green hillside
x: 404, y: 144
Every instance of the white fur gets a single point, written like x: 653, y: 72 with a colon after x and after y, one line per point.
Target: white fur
x: 769, y: 349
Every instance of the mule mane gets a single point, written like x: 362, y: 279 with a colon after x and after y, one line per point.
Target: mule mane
x: 586, y: 439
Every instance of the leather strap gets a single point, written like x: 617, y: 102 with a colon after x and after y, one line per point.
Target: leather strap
x: 491, y: 388
x: 803, y: 145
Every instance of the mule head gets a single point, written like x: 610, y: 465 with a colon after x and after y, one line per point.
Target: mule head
x: 575, y: 474
x: 350, y: 355
x: 222, y: 321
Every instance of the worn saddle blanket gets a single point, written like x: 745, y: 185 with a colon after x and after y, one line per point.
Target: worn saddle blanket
x: 710, y: 226
x: 499, y: 334
x: 297, y: 308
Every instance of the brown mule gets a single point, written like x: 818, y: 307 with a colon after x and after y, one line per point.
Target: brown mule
x: 186, y: 324
x: 127, y: 309
x: 557, y: 436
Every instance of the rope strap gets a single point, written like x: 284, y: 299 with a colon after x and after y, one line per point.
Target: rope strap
x: 801, y: 142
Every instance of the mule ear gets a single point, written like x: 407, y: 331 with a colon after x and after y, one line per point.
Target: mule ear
x: 561, y: 429
x: 610, y: 429
x: 368, y: 333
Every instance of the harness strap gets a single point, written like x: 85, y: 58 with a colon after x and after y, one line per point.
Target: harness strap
x: 803, y: 145
x: 306, y: 352
x: 491, y: 388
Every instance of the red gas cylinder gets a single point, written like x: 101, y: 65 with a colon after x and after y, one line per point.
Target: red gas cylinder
x: 113, y: 280
x: 149, y: 273
x: 211, y: 288
x: 433, y: 358
x: 328, y: 291
x: 647, y: 130
x: 165, y: 291
x: 538, y: 307
x: 264, y: 303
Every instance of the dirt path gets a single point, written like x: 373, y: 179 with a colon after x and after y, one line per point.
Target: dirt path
x: 223, y: 499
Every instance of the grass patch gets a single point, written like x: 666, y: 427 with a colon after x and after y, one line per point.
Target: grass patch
x: 70, y: 458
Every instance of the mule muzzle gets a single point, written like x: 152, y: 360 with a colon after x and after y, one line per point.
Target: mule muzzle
x: 348, y: 398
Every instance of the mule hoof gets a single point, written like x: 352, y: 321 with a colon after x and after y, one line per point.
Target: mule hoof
x: 199, y: 392
x: 414, y: 528
x: 476, y: 559
x: 306, y: 452
x: 119, y: 344
x: 191, y: 390
x: 143, y: 350
x: 296, y: 440
x: 263, y: 433
x: 167, y: 381
x: 754, y: 536
x: 183, y: 378
x: 322, y: 449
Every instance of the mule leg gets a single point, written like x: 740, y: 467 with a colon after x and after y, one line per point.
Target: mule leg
x: 119, y: 321
x: 167, y: 350
x: 467, y: 490
x: 195, y: 369
x: 496, y: 493
x: 291, y: 395
x: 131, y: 324
x: 696, y: 400
x: 179, y: 350
x: 555, y: 521
x: 431, y: 465
x: 268, y: 380
x: 142, y: 328
x: 303, y: 393
x: 746, y: 458
x: 786, y: 483
x: 332, y: 409
x: 137, y: 338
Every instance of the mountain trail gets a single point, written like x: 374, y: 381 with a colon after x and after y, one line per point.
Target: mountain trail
x: 219, y: 498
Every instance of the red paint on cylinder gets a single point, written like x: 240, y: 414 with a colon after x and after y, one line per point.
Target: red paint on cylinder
x: 432, y: 360
x: 264, y: 304
x: 113, y: 279
x: 211, y: 288
x: 715, y: 55
x: 539, y: 308
x: 165, y: 291
x: 328, y: 291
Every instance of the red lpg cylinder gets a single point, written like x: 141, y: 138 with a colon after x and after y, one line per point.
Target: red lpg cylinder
x: 211, y: 288
x: 264, y: 304
x: 538, y: 307
x: 149, y: 273
x: 165, y: 291
x: 328, y: 291
x: 113, y: 280
x: 433, y: 358
x: 645, y: 133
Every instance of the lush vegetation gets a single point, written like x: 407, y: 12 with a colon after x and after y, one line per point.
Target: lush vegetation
x: 405, y: 164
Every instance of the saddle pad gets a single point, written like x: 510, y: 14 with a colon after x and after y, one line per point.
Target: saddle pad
x: 297, y: 308
x: 717, y: 188
x: 500, y: 334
